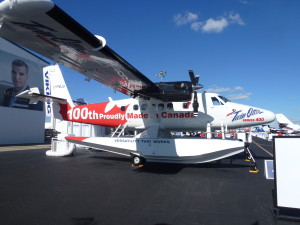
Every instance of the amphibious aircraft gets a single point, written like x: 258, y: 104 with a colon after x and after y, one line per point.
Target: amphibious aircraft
x: 156, y: 108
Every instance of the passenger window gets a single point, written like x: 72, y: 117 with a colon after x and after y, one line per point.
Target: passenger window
x: 135, y: 107
x: 154, y: 106
x: 170, y: 106
x: 161, y: 106
x: 123, y: 108
x: 215, y: 101
x: 144, y: 107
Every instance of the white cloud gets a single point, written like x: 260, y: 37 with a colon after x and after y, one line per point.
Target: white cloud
x: 215, y: 26
x: 196, y: 26
x: 235, y: 18
x: 223, y: 89
x: 238, y: 88
x: 245, y: 2
x: 218, y: 89
x: 232, y: 93
x: 188, y: 17
x: 240, y: 96
x: 211, y: 25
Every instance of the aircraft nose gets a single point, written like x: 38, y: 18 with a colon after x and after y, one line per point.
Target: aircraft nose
x: 269, y: 116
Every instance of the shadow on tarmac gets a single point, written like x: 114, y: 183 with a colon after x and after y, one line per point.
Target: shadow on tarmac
x: 237, y: 161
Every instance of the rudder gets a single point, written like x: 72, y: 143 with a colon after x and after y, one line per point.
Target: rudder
x: 55, y: 86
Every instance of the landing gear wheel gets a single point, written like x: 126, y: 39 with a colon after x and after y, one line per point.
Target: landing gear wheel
x: 137, y: 160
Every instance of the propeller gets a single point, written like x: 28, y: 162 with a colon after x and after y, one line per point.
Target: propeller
x: 196, y: 86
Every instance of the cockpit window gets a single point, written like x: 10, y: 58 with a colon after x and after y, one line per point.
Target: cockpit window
x: 224, y: 99
x: 215, y: 101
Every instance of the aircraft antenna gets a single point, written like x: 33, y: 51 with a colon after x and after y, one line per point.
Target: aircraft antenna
x: 161, y: 75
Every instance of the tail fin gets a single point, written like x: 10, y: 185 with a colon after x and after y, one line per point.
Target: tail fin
x: 285, y: 123
x: 55, y: 85
x: 56, y: 92
x: 283, y: 120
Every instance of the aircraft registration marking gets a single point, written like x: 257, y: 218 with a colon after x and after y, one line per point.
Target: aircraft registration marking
x: 239, y: 115
x: 143, y: 141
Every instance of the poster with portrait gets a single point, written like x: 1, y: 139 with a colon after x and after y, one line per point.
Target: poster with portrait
x: 20, y: 71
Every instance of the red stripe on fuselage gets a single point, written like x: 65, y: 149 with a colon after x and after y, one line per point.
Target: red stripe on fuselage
x: 94, y: 114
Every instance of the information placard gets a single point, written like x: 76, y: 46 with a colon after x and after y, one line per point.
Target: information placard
x: 287, y: 172
x: 269, y: 169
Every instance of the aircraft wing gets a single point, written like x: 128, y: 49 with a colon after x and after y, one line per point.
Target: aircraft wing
x: 44, y: 28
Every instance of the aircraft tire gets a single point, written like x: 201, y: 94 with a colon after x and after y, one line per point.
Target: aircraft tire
x: 138, y: 161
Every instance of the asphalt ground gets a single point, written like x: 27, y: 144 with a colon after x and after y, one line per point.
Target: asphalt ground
x: 99, y: 188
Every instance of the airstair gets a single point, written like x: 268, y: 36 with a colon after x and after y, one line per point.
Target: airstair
x: 119, y: 131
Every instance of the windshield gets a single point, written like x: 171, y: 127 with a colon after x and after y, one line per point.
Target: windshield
x: 215, y: 101
x: 224, y: 99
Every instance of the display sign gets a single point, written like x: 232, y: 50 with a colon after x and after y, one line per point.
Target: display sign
x: 20, y: 121
x: 269, y: 169
x: 20, y: 70
x: 287, y: 170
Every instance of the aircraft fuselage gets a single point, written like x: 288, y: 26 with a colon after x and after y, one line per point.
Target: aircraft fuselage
x: 140, y: 114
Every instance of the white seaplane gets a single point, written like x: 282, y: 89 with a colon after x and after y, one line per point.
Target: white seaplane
x: 155, y: 108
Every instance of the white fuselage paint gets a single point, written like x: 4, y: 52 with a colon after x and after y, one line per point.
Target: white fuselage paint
x: 141, y: 114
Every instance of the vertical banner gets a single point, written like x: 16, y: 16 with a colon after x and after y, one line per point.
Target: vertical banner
x: 20, y: 71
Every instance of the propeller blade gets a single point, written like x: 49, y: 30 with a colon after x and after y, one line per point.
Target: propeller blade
x: 192, y: 76
x: 197, y: 79
x: 195, y: 102
x: 196, y: 86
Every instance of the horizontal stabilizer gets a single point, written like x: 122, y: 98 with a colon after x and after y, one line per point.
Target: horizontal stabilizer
x: 35, y: 96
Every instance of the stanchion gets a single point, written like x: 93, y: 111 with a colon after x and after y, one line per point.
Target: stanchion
x: 249, y: 157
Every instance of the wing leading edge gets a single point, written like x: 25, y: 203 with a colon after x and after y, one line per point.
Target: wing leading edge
x: 43, y: 27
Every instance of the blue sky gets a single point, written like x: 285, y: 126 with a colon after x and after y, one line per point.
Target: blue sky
x: 246, y: 50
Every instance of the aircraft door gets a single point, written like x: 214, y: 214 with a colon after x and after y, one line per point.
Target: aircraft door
x: 204, y: 104
x: 133, y: 113
x: 139, y: 115
x: 216, y: 108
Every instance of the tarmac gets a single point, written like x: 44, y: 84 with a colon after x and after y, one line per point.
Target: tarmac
x: 99, y: 188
